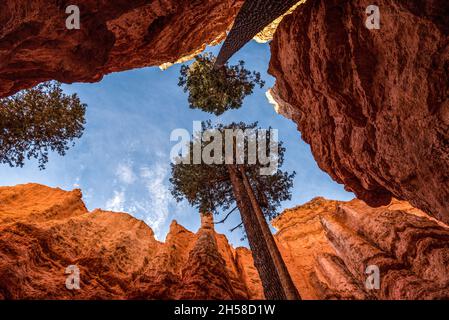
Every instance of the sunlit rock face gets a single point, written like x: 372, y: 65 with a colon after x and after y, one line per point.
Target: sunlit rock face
x: 45, y: 230
x: 301, y: 238
x: 334, y: 250
x: 327, y: 246
x: 372, y: 104
x: 35, y: 44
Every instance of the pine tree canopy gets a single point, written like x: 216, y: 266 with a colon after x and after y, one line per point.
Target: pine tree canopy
x: 38, y: 120
x: 208, y: 186
x: 217, y: 90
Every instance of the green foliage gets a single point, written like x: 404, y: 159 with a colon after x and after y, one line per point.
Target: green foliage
x: 208, y: 186
x: 217, y: 90
x: 38, y: 120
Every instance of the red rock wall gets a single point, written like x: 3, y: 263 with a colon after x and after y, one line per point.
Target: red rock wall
x: 44, y: 230
x: 372, y: 104
x: 329, y: 245
x: 117, y: 35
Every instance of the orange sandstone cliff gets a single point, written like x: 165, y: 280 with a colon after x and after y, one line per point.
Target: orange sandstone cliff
x: 327, y: 246
x: 45, y: 230
x: 330, y: 246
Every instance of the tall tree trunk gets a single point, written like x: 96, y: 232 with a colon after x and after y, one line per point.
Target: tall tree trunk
x: 252, y: 18
x: 263, y: 261
x: 287, y: 283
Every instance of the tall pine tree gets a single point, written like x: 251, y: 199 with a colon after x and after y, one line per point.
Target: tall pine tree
x: 218, y: 186
x: 36, y: 121
x: 216, y: 91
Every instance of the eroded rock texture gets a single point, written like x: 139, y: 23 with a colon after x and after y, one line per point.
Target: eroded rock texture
x: 35, y: 44
x: 329, y: 245
x: 44, y: 230
x: 373, y: 104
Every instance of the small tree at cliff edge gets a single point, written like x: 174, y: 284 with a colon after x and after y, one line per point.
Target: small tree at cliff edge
x: 215, y: 187
x: 217, y: 90
x: 38, y: 120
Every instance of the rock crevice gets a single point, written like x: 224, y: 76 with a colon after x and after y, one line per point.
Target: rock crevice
x: 44, y: 230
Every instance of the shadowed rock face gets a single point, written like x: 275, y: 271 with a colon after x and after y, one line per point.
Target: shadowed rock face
x: 373, y: 104
x: 327, y: 246
x: 114, y: 36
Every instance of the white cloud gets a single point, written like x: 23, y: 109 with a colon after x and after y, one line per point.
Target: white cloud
x: 156, y: 209
x: 125, y: 173
x: 116, y: 203
x: 145, y: 194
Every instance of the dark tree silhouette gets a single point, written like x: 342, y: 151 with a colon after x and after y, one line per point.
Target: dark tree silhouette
x: 252, y: 18
x: 38, y: 120
x: 216, y: 91
x: 216, y: 187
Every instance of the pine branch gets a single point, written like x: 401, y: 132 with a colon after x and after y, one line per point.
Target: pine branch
x: 222, y: 221
x: 237, y: 226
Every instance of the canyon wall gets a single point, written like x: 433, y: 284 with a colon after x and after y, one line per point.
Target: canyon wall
x: 332, y: 249
x: 45, y: 230
x: 36, y: 46
x: 372, y: 104
x: 327, y: 246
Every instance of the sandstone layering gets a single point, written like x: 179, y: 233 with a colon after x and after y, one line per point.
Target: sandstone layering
x: 35, y: 45
x: 327, y: 246
x: 372, y: 104
x: 44, y: 230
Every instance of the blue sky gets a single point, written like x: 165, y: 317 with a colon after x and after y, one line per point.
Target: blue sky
x: 122, y: 162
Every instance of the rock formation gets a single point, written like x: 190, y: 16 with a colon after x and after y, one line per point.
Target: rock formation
x: 44, y: 230
x: 327, y: 246
x: 331, y: 247
x: 36, y: 46
x: 372, y: 104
